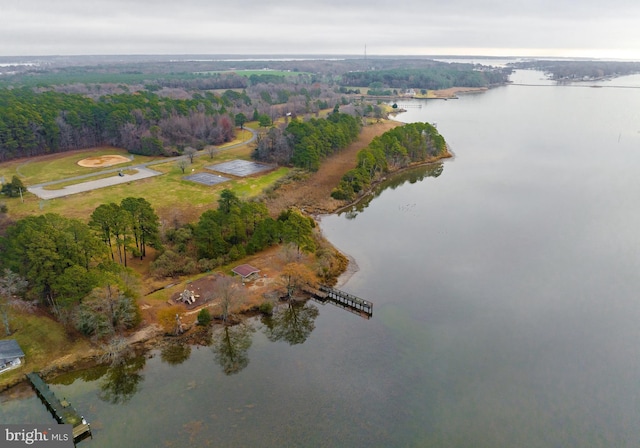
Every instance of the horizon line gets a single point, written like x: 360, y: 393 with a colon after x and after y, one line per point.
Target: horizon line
x: 290, y: 56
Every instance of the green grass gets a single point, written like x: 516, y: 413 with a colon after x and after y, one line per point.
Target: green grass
x: 62, y: 165
x: 43, y: 340
x: 253, y: 186
x: 169, y: 193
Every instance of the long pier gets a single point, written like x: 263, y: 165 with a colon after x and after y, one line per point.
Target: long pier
x: 351, y: 303
x: 62, y: 411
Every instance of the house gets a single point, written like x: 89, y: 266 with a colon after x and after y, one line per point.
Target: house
x: 11, y: 355
x: 246, y: 271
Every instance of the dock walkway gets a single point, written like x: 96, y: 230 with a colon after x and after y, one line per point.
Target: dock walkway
x: 356, y: 305
x: 62, y: 411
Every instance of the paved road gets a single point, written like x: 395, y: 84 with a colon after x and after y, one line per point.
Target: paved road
x: 142, y: 173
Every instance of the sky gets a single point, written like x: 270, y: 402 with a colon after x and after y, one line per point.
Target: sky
x: 562, y: 28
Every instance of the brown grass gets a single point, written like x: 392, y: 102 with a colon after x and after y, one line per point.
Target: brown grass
x: 453, y: 92
x: 313, y: 195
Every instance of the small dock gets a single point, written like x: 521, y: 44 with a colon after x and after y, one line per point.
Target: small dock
x: 62, y: 411
x: 349, y: 302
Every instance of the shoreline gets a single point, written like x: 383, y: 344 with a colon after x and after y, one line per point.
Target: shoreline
x: 350, y: 271
x: 150, y: 337
x: 352, y: 265
x: 450, y: 155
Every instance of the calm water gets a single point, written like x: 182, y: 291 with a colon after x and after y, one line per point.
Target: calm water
x: 505, y: 284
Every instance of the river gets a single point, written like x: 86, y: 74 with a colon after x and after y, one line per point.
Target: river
x: 505, y: 288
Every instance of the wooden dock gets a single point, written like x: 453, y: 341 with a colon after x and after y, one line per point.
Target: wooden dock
x: 62, y: 411
x: 349, y: 302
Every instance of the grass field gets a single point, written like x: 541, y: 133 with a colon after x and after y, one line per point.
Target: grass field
x: 62, y: 165
x: 171, y: 195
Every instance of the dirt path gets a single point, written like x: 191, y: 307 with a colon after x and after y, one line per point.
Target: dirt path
x: 313, y: 194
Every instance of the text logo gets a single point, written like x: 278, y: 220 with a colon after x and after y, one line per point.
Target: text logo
x: 36, y: 436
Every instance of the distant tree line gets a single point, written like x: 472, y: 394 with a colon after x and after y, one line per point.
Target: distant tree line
x: 436, y: 77
x: 215, y: 81
x: 267, y: 78
x: 40, y: 123
x: 394, y: 149
x: 579, y: 70
x: 305, y: 143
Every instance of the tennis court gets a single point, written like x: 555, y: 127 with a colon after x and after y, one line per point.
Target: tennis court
x: 206, y: 178
x: 239, y: 168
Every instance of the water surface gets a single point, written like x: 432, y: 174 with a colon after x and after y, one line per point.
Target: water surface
x: 506, y: 310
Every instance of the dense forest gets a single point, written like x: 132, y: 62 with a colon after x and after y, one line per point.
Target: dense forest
x: 34, y: 123
x: 305, y: 143
x: 71, y: 269
x: 394, y: 149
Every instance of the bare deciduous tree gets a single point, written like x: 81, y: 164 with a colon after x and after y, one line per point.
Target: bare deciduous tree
x: 230, y: 295
x: 10, y: 285
x: 182, y: 164
x: 190, y: 152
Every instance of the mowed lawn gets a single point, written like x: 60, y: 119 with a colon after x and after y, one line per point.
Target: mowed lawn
x: 173, y: 197
x: 62, y: 165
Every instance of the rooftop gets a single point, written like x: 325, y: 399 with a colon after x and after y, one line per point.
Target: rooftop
x: 245, y: 270
x: 9, y: 349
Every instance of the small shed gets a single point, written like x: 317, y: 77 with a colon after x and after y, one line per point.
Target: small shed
x: 11, y: 355
x: 246, y: 271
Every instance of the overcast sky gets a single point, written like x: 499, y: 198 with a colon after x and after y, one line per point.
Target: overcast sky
x: 589, y: 28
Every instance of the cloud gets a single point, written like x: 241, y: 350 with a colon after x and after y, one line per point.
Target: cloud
x: 34, y: 27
